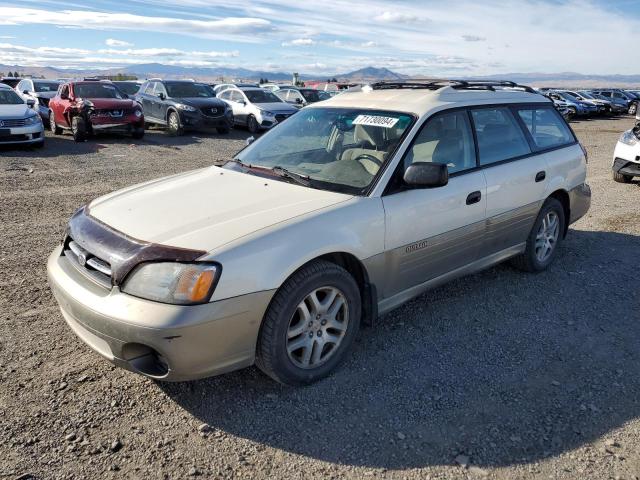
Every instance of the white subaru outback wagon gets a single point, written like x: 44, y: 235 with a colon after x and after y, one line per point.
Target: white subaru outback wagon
x: 345, y: 211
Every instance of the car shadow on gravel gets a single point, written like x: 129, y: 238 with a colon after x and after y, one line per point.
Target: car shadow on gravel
x: 502, y: 367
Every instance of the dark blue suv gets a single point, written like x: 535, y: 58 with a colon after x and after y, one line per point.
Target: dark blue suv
x: 183, y: 104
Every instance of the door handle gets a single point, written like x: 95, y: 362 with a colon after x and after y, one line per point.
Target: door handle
x: 473, y: 197
x: 540, y: 176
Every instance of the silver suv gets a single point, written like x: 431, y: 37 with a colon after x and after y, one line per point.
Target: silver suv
x: 345, y: 211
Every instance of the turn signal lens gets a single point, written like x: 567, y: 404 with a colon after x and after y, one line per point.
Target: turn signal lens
x: 173, y: 282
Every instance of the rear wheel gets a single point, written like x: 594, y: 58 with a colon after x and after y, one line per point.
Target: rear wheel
x: 633, y: 108
x: 544, y: 239
x: 52, y: 124
x: 175, y: 128
x: 79, y: 129
x: 310, y: 325
x: 620, y: 178
x: 252, y: 124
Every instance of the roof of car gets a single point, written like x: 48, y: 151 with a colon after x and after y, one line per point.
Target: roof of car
x: 420, y: 101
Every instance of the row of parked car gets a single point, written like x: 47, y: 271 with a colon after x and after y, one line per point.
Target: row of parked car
x: 581, y: 103
x: 85, y: 107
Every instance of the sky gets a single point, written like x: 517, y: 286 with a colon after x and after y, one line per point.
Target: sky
x: 439, y: 38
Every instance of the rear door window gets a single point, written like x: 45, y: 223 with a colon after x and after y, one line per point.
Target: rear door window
x: 499, y: 135
x: 546, y: 127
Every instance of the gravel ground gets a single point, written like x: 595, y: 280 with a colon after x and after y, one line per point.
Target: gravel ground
x: 499, y: 375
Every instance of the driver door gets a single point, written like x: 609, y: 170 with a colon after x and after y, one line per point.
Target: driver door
x: 60, y: 105
x: 430, y: 232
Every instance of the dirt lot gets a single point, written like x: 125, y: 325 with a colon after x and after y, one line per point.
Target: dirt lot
x: 510, y: 374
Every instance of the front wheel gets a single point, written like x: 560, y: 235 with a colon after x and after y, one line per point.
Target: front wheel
x: 544, y: 239
x: 310, y: 325
x: 52, y: 124
x: 252, y: 124
x: 137, y: 133
x: 620, y: 178
x: 175, y: 128
x: 79, y: 129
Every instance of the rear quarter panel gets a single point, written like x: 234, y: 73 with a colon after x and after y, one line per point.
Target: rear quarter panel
x: 566, y: 169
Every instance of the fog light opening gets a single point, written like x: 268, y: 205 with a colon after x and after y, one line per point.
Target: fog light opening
x: 145, y: 360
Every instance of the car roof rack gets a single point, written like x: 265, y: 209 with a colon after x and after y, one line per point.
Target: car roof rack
x: 436, y: 84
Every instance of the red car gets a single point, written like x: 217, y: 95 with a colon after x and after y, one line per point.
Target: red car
x: 87, y: 107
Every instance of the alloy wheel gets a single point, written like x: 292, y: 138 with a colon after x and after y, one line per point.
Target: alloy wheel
x: 547, y: 236
x: 317, y: 327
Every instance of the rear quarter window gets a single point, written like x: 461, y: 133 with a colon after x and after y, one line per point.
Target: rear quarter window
x: 547, y: 128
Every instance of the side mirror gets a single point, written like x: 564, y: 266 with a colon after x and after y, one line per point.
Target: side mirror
x: 249, y: 140
x: 31, y: 103
x: 426, y: 175
x: 26, y: 92
x: 64, y: 96
x: 162, y: 96
x: 298, y: 100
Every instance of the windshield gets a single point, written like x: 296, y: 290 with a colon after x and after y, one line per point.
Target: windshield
x: 96, y: 90
x: 310, y: 96
x: 188, y: 90
x: 45, y: 86
x: 340, y: 149
x: 567, y: 96
x: 587, y: 95
x: 261, y: 96
x: 130, y: 88
x: 9, y: 97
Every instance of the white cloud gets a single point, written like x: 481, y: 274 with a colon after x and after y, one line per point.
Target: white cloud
x: 299, y: 42
x: 473, y: 38
x: 112, y: 42
x: 396, y: 17
x: 238, y: 28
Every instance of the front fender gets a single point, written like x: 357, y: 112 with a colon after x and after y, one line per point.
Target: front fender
x: 265, y: 259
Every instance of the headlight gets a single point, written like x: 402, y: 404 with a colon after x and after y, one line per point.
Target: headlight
x: 266, y: 113
x: 173, y: 282
x: 137, y: 112
x: 628, y: 138
x: 32, y: 120
x: 186, y: 108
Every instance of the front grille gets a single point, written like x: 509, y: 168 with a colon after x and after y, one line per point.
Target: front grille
x: 13, y: 122
x: 212, y: 111
x: 88, y: 264
x: 281, y: 117
x: 115, y: 113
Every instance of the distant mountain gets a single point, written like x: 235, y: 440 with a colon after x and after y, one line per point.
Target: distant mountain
x: 368, y: 74
x: 371, y: 73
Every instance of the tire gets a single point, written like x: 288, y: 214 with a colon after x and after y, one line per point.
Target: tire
x: 530, y: 261
x: 137, y: 133
x: 55, y: 129
x: 633, y: 108
x: 173, y: 121
x: 79, y: 129
x: 223, y: 130
x: 252, y: 124
x: 620, y: 178
x: 284, y: 325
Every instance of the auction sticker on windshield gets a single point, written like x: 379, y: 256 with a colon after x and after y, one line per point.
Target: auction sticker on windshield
x: 375, y: 121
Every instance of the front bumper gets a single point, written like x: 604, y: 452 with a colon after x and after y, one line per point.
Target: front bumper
x: 197, y: 120
x: 125, y: 123
x: 24, y: 135
x: 161, y: 341
x: 626, y: 159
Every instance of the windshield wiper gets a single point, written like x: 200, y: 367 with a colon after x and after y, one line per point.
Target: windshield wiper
x: 303, y: 180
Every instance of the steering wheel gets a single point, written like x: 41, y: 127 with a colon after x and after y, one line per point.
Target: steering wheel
x: 366, y: 156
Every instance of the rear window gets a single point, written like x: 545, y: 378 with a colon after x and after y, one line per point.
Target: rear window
x: 546, y: 127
